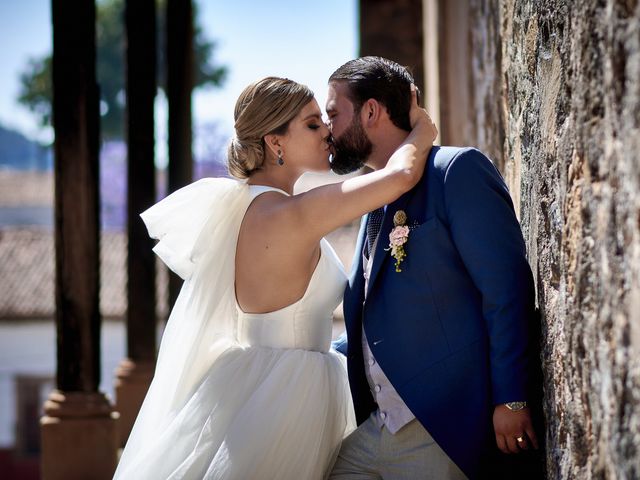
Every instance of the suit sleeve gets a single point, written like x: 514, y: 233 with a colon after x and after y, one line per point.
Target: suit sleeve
x: 341, y: 344
x: 487, y: 235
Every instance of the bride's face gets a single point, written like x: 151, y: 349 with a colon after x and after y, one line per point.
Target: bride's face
x: 306, y: 145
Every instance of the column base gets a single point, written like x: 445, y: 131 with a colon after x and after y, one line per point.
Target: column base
x: 132, y: 382
x: 79, y: 436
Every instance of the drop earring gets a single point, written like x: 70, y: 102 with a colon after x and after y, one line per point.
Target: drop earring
x: 280, y: 159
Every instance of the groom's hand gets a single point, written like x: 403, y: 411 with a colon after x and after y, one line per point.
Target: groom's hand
x: 514, y: 430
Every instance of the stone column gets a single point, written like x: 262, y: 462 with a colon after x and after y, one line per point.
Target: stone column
x: 79, y: 431
x: 464, y: 89
x: 431, y: 94
x: 135, y: 372
x: 454, y: 63
x: 180, y: 78
x: 394, y: 30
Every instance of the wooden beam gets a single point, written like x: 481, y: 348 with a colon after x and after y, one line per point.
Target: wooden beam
x: 141, y: 91
x: 79, y: 427
x: 135, y: 372
x: 77, y: 219
x: 180, y: 78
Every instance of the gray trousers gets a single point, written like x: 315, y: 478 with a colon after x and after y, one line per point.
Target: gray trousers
x: 372, y: 452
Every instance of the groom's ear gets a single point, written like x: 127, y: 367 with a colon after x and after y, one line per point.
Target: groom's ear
x: 370, y: 112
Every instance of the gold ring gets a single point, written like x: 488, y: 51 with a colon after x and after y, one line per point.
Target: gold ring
x: 519, y: 439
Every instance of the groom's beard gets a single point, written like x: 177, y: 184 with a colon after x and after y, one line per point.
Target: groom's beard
x: 351, y: 150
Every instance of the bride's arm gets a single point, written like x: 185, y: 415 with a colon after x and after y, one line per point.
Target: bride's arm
x: 323, y: 209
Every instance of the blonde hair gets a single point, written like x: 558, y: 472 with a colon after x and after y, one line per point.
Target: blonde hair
x: 264, y: 107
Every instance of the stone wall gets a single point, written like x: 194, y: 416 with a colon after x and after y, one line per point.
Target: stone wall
x: 559, y: 83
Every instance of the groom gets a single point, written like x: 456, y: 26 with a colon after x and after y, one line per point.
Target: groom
x: 438, y: 340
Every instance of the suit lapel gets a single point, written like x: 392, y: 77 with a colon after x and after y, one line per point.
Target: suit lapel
x: 387, y: 222
x: 381, y: 255
x: 357, y: 267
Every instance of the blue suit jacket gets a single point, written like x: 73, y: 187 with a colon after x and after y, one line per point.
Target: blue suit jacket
x: 451, y: 330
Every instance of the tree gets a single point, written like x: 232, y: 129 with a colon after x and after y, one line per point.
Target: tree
x: 36, y: 87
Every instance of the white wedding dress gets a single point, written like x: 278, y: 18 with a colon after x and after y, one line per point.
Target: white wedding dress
x: 237, y: 395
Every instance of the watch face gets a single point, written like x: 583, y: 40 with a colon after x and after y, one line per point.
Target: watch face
x: 516, y: 405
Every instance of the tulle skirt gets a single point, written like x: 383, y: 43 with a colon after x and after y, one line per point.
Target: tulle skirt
x: 259, y: 413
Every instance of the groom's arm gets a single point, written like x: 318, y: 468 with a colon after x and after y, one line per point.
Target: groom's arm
x: 487, y: 235
x: 340, y: 344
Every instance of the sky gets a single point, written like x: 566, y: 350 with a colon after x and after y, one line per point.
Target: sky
x: 304, y: 41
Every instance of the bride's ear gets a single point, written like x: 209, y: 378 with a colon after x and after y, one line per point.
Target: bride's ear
x: 272, y: 144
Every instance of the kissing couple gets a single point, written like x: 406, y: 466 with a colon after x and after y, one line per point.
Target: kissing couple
x: 437, y: 306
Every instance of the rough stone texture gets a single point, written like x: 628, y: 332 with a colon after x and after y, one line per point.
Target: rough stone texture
x: 566, y: 79
x: 486, y: 85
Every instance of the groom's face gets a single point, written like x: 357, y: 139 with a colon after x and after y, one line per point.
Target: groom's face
x: 351, y: 145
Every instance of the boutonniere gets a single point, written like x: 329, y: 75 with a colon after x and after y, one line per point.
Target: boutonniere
x: 398, y: 237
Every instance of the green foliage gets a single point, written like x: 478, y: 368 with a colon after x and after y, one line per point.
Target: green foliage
x: 36, y: 87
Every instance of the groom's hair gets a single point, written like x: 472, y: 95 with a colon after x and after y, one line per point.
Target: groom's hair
x: 380, y: 79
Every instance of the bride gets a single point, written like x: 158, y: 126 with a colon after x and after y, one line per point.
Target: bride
x: 246, y: 386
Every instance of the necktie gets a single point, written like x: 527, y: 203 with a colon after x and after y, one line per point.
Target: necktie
x: 374, y: 224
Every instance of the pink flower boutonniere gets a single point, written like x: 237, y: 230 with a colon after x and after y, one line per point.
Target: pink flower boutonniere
x: 398, y: 237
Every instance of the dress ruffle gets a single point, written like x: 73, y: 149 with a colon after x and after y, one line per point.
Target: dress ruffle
x: 179, y: 220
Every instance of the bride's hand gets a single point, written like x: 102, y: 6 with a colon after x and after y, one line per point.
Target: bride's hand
x: 411, y: 156
x: 420, y: 120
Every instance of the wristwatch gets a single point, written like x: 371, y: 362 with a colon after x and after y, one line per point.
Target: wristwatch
x: 515, y: 406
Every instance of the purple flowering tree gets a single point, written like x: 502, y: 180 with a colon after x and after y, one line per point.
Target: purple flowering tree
x: 210, y: 156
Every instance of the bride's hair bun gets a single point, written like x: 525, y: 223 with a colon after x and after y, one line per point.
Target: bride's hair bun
x: 244, y: 157
x: 264, y: 107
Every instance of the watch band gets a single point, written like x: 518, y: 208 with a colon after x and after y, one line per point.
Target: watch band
x: 515, y: 406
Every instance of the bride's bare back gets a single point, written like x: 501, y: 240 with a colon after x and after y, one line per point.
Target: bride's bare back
x: 273, y: 267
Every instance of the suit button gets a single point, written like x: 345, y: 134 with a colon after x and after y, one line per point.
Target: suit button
x: 378, y: 388
x: 383, y: 415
